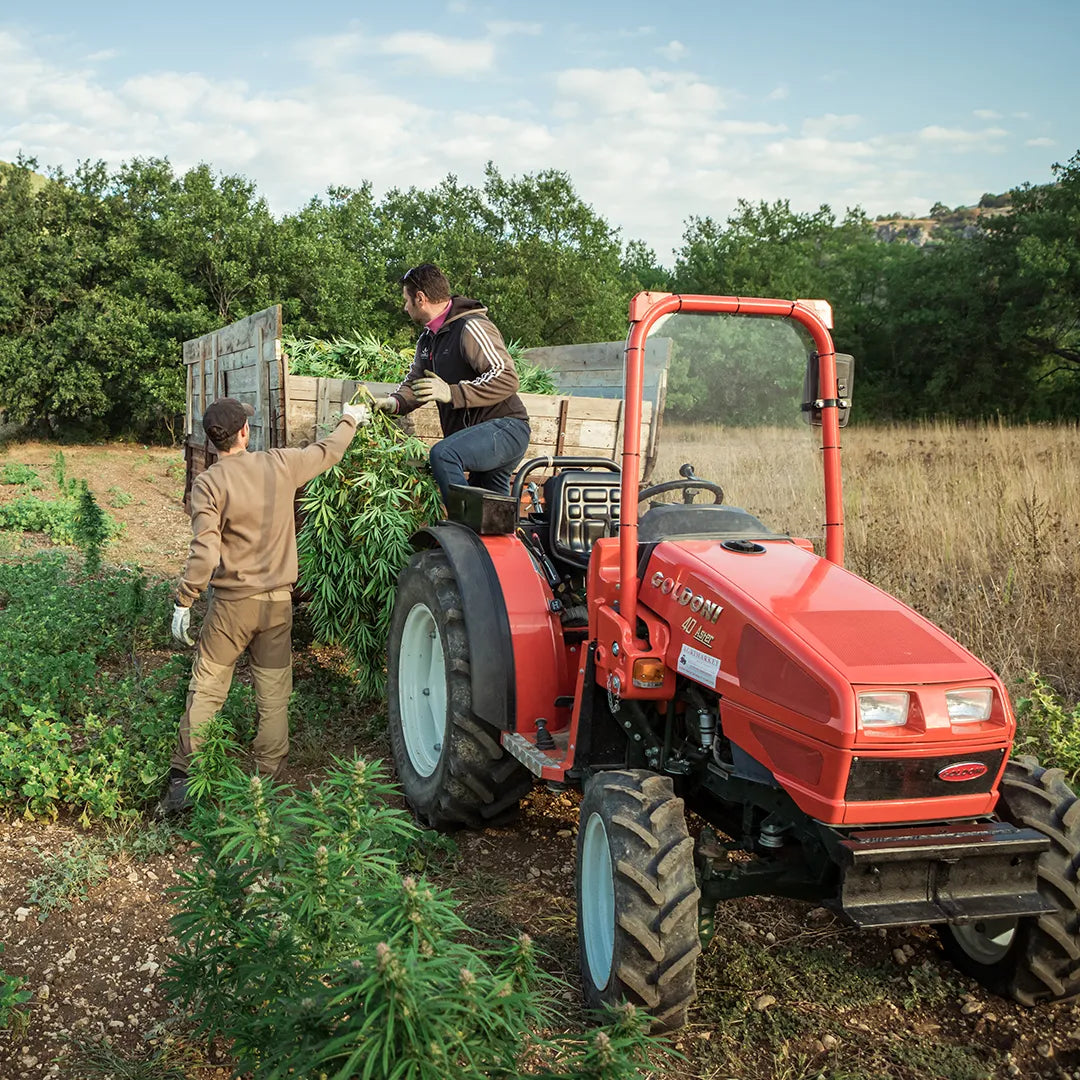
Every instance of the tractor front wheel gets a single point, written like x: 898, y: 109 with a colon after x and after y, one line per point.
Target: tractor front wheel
x: 450, y: 763
x: 637, y: 896
x: 1031, y: 959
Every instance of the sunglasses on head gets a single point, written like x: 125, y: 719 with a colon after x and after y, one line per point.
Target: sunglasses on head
x: 409, y: 274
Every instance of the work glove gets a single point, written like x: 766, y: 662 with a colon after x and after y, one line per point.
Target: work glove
x: 386, y: 404
x: 431, y: 388
x: 359, y: 413
x: 181, y: 621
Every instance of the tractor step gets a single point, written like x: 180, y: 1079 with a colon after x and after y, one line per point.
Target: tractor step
x: 533, y: 758
x: 940, y: 873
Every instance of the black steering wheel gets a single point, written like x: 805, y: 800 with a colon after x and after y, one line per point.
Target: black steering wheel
x: 689, y: 486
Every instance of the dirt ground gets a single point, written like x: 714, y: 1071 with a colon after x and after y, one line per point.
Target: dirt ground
x: 94, y: 967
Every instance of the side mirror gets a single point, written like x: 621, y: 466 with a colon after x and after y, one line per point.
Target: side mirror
x: 845, y: 371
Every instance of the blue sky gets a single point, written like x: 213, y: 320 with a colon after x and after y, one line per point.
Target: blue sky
x: 657, y: 111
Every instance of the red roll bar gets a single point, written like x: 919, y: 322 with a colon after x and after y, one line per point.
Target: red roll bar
x: 645, y: 309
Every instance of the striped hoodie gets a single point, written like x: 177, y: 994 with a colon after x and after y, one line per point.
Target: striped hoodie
x: 467, y: 352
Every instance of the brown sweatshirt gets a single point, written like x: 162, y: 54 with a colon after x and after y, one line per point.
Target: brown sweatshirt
x: 243, y: 528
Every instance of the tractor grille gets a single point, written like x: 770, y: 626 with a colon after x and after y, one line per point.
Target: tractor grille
x: 872, y: 779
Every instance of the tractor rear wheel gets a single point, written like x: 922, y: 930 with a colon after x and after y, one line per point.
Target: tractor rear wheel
x: 1032, y: 959
x: 637, y: 896
x: 450, y: 763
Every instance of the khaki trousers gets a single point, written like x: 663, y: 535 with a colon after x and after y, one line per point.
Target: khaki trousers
x: 261, y: 624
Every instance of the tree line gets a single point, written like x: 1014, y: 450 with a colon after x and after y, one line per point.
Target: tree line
x: 103, y: 274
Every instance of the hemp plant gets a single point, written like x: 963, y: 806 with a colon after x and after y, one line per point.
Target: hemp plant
x: 304, y: 948
x: 358, y: 518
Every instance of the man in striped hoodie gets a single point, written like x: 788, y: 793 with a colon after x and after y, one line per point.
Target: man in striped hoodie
x: 461, y: 363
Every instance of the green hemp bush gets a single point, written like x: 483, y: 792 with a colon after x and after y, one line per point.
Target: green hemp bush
x: 357, y: 521
x: 305, y: 949
x: 369, y: 360
x: 90, y: 528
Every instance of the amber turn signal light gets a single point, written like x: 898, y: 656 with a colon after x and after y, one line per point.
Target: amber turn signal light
x: 648, y: 672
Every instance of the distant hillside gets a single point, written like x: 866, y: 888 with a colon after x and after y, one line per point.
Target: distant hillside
x: 965, y: 220
x: 37, y: 181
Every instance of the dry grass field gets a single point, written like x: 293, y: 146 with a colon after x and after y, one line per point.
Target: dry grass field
x: 977, y: 527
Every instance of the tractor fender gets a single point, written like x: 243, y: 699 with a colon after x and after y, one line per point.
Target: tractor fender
x: 491, y: 668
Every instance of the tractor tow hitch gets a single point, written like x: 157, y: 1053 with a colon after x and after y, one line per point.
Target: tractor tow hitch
x: 939, y: 873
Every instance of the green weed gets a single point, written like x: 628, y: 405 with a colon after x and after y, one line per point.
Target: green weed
x: 13, y: 996
x: 67, y: 876
x: 83, y: 723
x: 1048, y: 729
x: 23, y: 475
x: 118, y: 498
x: 98, y: 1059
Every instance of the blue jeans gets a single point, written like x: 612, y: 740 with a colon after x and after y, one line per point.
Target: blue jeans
x: 488, y: 452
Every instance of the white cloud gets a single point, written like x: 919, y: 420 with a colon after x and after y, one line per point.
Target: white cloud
x: 673, y: 51
x: 959, y: 139
x: 829, y: 123
x: 779, y: 94
x: 1041, y: 141
x: 987, y: 114
x: 330, y: 50
x: 679, y: 98
x: 444, y: 55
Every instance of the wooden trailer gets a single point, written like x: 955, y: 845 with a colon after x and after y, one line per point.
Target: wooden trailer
x: 246, y: 360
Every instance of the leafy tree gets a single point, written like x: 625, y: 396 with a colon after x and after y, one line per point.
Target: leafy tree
x: 330, y: 276
x: 1034, y: 260
x: 559, y: 276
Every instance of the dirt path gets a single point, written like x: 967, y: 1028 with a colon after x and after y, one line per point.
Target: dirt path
x: 142, y: 487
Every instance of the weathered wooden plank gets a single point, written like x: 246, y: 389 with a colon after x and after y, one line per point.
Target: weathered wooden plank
x: 303, y: 388
x: 322, y: 405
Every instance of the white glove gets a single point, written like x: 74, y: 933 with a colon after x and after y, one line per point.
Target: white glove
x: 360, y: 413
x: 181, y: 621
x: 386, y: 404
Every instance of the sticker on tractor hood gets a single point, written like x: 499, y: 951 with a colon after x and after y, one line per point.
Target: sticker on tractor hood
x: 684, y: 595
x: 699, y: 666
x: 962, y: 770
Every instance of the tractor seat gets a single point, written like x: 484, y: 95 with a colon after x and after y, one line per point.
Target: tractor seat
x: 582, y: 508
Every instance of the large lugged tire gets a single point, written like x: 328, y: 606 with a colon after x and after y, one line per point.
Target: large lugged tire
x: 1033, y: 959
x: 450, y: 763
x: 637, y: 896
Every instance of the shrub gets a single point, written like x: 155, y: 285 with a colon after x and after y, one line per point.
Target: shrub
x: 82, y: 725
x: 1048, y: 728
x: 23, y: 475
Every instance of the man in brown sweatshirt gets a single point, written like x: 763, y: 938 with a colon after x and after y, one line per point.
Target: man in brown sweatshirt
x: 244, y: 545
x: 462, y: 364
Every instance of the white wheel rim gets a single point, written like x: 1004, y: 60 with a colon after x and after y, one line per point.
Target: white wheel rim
x: 597, y: 902
x: 986, y: 941
x: 422, y: 689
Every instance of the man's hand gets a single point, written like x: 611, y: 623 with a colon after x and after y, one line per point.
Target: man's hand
x: 431, y: 388
x: 181, y: 621
x: 361, y: 414
x: 386, y: 404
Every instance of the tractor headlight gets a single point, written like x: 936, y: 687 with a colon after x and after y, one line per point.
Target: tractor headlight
x: 969, y: 706
x: 884, y: 708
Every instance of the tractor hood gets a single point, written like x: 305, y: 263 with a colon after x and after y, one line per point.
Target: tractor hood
x: 768, y: 623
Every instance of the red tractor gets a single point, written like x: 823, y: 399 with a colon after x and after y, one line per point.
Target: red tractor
x: 686, y: 654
